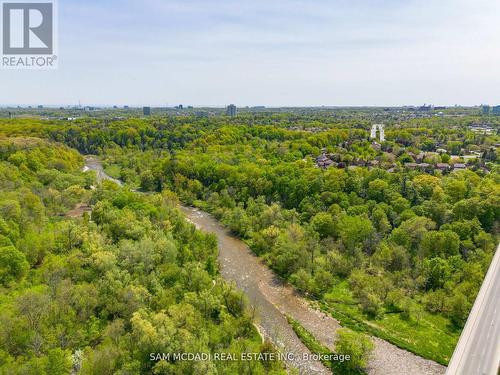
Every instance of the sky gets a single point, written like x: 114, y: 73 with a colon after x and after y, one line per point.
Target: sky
x: 272, y: 53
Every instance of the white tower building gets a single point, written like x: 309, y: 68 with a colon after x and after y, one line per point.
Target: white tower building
x: 381, y: 129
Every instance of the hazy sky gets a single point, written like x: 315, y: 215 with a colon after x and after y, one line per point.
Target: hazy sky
x: 256, y: 52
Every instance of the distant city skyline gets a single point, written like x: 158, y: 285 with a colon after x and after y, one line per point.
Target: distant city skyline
x: 224, y: 107
x: 211, y: 53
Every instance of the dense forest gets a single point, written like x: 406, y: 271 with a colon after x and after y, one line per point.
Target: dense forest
x: 384, y: 246
x: 96, y: 291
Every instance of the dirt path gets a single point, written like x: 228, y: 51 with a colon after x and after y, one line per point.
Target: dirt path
x: 79, y: 210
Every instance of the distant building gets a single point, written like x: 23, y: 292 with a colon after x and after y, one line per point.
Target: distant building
x: 323, y: 161
x: 411, y: 165
x: 485, y: 109
x: 231, y: 110
x: 459, y: 166
x: 381, y: 129
x: 496, y: 110
x: 482, y: 128
x: 421, y: 166
x: 146, y: 111
x: 442, y: 166
x: 425, y: 108
x: 40, y: 107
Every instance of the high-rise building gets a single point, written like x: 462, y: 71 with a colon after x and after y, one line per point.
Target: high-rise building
x: 146, y: 111
x: 485, y: 109
x: 231, y: 110
x: 381, y: 129
x: 496, y: 110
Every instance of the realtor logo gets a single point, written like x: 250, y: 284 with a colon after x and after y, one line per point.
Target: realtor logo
x: 28, y: 34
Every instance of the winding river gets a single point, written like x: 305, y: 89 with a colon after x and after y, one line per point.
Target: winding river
x: 264, y: 290
x: 272, y: 300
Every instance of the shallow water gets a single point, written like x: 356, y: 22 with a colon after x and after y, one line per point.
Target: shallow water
x: 94, y: 164
x: 273, y: 299
x: 239, y: 265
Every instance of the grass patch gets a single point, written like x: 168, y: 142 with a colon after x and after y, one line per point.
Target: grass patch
x: 432, y: 337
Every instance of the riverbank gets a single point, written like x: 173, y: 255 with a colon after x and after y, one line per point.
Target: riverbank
x: 239, y: 264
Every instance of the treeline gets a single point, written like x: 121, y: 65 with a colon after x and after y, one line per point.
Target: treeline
x: 309, y: 135
x: 98, y: 293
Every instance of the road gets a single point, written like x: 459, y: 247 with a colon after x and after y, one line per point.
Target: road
x: 478, y: 350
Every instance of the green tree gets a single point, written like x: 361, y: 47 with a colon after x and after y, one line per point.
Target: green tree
x: 411, y: 231
x: 148, y: 181
x: 443, y: 243
x: 438, y: 272
x: 459, y: 309
x: 13, y: 264
x: 377, y: 189
x: 354, y: 230
x: 58, y: 362
x: 358, y: 346
x: 323, y: 224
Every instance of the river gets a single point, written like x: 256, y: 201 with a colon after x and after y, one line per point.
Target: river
x: 272, y: 299
x: 239, y: 265
x: 93, y: 163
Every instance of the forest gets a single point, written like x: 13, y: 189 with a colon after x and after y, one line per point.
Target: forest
x: 95, y: 292
x: 391, y: 250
